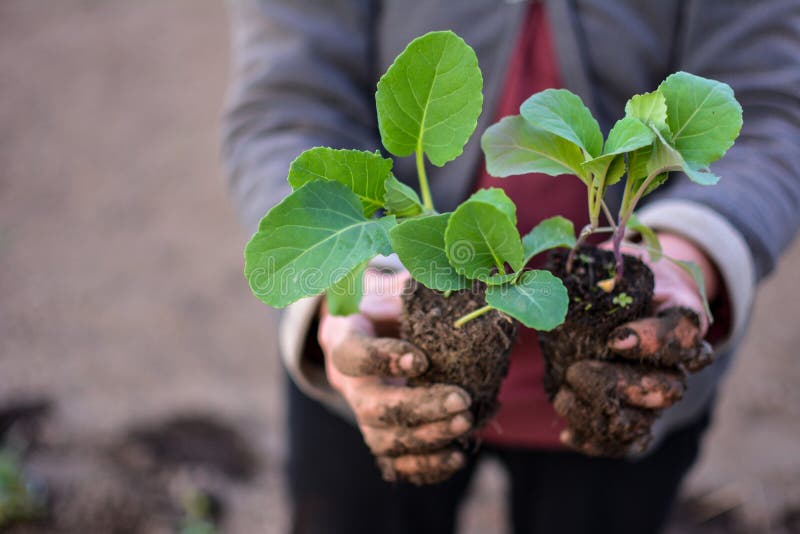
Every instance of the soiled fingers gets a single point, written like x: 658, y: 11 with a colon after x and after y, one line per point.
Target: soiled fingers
x: 400, y: 440
x: 611, y: 406
x: 359, y: 355
x: 386, y: 407
x: 614, y: 383
x: 420, y: 469
x: 599, y: 447
x: 671, y: 339
x: 602, y: 429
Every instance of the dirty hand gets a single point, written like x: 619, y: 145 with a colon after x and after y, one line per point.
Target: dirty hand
x: 409, y: 429
x: 610, y: 406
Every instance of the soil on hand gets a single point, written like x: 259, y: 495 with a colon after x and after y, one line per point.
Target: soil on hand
x: 592, y: 315
x: 593, y: 312
x: 474, y: 357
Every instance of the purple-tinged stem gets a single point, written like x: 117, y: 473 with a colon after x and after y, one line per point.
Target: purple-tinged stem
x: 617, y: 244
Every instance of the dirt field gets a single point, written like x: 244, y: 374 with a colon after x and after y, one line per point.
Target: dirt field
x: 121, y: 294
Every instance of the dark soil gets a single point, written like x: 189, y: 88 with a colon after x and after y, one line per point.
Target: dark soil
x: 145, y: 481
x: 21, y: 421
x: 592, y: 313
x: 193, y: 440
x: 474, y: 357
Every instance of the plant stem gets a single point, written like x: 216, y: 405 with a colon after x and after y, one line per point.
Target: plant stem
x: 625, y: 212
x: 427, y: 199
x: 616, y: 241
x: 609, y: 216
x: 626, y: 197
x: 592, y: 201
x: 472, y: 315
x: 598, y: 203
x: 585, y: 232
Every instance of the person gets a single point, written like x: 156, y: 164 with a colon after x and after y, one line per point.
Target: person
x: 304, y: 75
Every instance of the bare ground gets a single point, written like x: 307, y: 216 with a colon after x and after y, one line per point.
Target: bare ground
x: 121, y: 295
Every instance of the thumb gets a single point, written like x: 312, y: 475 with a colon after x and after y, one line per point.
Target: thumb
x: 382, y: 302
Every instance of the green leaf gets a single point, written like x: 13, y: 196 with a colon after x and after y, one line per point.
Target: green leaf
x: 700, y: 176
x: 599, y: 166
x: 497, y: 198
x: 538, y: 300
x: 499, y: 279
x: 430, y: 98
x: 615, y: 170
x: 661, y: 156
x: 513, y: 146
x: 344, y: 296
x: 309, y: 241
x: 481, y: 237
x: 651, y: 109
x: 644, y: 162
x: 550, y: 233
x: 563, y: 113
x: 628, y: 134
x: 697, y: 275
x: 703, y: 116
x: 649, y: 236
x: 400, y: 199
x: 637, y: 162
x: 664, y: 156
x: 363, y: 172
x: 419, y: 243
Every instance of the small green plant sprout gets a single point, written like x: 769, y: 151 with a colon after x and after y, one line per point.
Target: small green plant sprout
x: 347, y: 207
x: 623, y: 300
x: 18, y: 500
x: 685, y: 125
x: 197, y: 516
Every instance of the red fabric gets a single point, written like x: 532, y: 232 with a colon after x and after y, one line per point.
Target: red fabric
x: 526, y: 418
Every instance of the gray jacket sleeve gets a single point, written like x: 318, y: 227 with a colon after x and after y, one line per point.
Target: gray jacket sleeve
x: 755, y: 47
x: 749, y: 217
x: 302, y: 77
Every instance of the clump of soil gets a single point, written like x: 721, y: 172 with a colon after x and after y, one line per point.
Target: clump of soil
x: 474, y: 357
x: 592, y: 313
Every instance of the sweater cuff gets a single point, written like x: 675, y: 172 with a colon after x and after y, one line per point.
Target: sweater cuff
x: 294, y: 334
x: 310, y: 377
x: 723, y: 244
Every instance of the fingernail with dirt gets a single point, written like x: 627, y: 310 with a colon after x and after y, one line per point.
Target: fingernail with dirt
x: 455, y: 403
x: 460, y: 424
x: 623, y: 339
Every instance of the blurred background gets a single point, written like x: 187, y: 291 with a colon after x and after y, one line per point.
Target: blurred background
x: 140, y: 390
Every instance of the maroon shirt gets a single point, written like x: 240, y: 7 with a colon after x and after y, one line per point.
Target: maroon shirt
x: 526, y: 418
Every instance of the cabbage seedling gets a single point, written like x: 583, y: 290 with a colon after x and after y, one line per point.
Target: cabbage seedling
x: 685, y: 125
x: 347, y: 207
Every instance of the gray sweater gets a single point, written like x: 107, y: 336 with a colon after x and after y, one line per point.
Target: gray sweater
x: 305, y: 73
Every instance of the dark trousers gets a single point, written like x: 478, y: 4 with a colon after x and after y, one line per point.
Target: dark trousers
x: 335, y: 487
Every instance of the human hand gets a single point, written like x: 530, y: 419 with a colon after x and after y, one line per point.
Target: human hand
x: 410, y: 430
x: 610, y: 406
